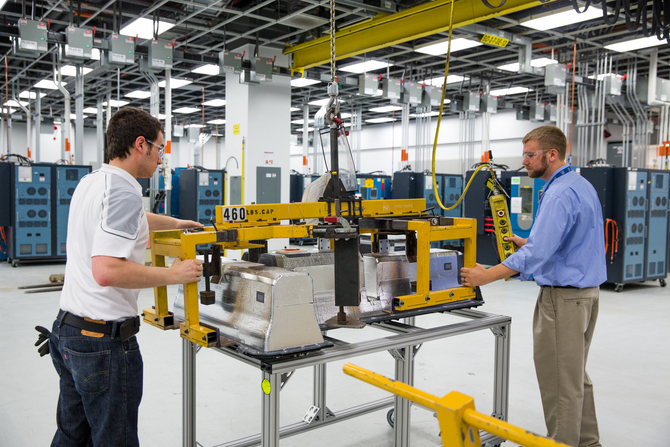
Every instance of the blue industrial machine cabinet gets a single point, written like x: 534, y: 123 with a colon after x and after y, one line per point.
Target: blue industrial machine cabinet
x: 374, y: 186
x: 64, y: 181
x: 200, y: 192
x: 524, y: 198
x: 30, y: 233
x: 658, y: 195
x: 34, y: 209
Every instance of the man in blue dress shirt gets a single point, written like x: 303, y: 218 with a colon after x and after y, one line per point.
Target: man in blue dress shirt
x: 565, y: 253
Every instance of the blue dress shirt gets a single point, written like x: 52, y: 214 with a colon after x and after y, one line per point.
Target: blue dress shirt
x: 566, y: 246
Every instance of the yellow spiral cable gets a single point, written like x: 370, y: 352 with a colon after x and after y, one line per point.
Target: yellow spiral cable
x: 439, y: 121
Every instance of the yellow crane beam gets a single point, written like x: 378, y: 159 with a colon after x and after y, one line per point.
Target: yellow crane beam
x: 386, y: 30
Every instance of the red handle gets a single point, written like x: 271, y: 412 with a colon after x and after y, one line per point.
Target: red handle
x: 330, y: 219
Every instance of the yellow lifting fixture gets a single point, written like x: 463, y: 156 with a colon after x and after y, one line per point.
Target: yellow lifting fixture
x: 459, y: 422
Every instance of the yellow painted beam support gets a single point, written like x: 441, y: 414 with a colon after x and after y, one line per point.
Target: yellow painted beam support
x: 383, y: 31
x: 456, y: 414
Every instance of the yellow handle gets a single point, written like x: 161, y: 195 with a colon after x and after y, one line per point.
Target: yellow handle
x: 448, y: 409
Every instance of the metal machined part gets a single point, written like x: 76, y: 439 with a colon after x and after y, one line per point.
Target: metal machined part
x: 265, y: 310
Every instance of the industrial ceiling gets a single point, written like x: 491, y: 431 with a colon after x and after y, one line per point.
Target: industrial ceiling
x: 203, y: 28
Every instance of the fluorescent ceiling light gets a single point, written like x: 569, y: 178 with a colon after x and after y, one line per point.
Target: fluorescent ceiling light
x: 345, y: 115
x: 362, y: 67
x: 508, y: 91
x: 439, y: 48
x: 303, y: 82
x: 175, y: 83
x: 556, y: 19
x: 161, y: 116
x: 47, y: 84
x: 143, y: 28
x: 91, y: 110
x: 301, y: 121
x: 540, y: 62
x: 138, y: 94
x: 635, y: 44
x: 215, y: 102
x: 30, y: 95
x: 295, y: 109
x: 379, y: 120
x: 319, y: 102
x: 451, y: 79
x: 4, y: 110
x: 74, y: 117
x: 433, y: 113
x: 217, y: 134
x: 197, y: 126
x: 209, y: 69
x: 71, y: 70
x: 186, y: 110
x: 217, y: 121
x: 385, y: 109
x: 115, y: 103
x: 12, y: 103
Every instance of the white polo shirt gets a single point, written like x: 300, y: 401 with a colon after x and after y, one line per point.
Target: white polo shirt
x: 106, y: 219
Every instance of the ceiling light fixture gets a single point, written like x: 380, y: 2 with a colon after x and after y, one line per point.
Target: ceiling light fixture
x: 209, y: 69
x: 186, y: 110
x: 508, y: 91
x: 439, y: 48
x: 379, y: 120
x: 71, y: 70
x: 635, y: 44
x: 138, y: 94
x: 143, y: 28
x: 303, y: 82
x: 175, y: 83
x: 215, y: 102
x: 30, y: 95
x: 363, y: 67
x: 217, y: 121
x: 115, y: 103
x: 385, y: 109
x: 540, y: 62
x: 555, y: 19
x: 90, y: 110
x: 46, y: 84
x: 439, y: 80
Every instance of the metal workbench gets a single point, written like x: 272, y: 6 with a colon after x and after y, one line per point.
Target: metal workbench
x: 402, y: 346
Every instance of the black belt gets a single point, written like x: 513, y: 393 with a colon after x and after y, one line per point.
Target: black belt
x: 123, y: 329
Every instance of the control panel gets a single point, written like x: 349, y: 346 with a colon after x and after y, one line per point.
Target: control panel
x: 32, y: 231
x: 657, y: 203
x: 503, y: 227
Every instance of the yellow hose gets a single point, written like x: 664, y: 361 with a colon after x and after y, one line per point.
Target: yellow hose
x: 439, y: 121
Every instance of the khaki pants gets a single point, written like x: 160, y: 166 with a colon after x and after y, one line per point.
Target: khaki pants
x: 563, y: 326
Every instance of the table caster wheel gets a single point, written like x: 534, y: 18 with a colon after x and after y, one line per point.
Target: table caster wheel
x: 390, y: 417
x: 618, y: 288
x: 662, y: 281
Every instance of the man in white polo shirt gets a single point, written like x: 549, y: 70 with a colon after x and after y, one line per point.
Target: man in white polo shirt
x: 92, y: 343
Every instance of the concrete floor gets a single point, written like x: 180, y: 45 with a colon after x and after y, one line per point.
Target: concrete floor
x: 629, y: 364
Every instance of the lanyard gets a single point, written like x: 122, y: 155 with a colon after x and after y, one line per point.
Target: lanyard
x: 561, y: 172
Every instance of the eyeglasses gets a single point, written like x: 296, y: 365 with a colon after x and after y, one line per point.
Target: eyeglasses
x: 531, y: 155
x: 161, y: 148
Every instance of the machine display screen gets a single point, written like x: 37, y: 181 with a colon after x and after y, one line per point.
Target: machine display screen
x: 71, y: 174
x: 526, y: 200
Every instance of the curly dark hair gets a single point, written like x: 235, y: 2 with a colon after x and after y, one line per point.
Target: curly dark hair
x: 125, y: 126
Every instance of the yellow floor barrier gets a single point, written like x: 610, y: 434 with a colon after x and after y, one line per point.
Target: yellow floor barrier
x: 459, y: 422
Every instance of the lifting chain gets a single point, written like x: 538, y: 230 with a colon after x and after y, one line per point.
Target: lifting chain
x: 333, y: 107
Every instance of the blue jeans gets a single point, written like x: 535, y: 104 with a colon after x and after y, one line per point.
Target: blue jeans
x: 100, y: 388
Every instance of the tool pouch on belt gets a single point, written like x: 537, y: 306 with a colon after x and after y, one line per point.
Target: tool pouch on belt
x: 129, y: 328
